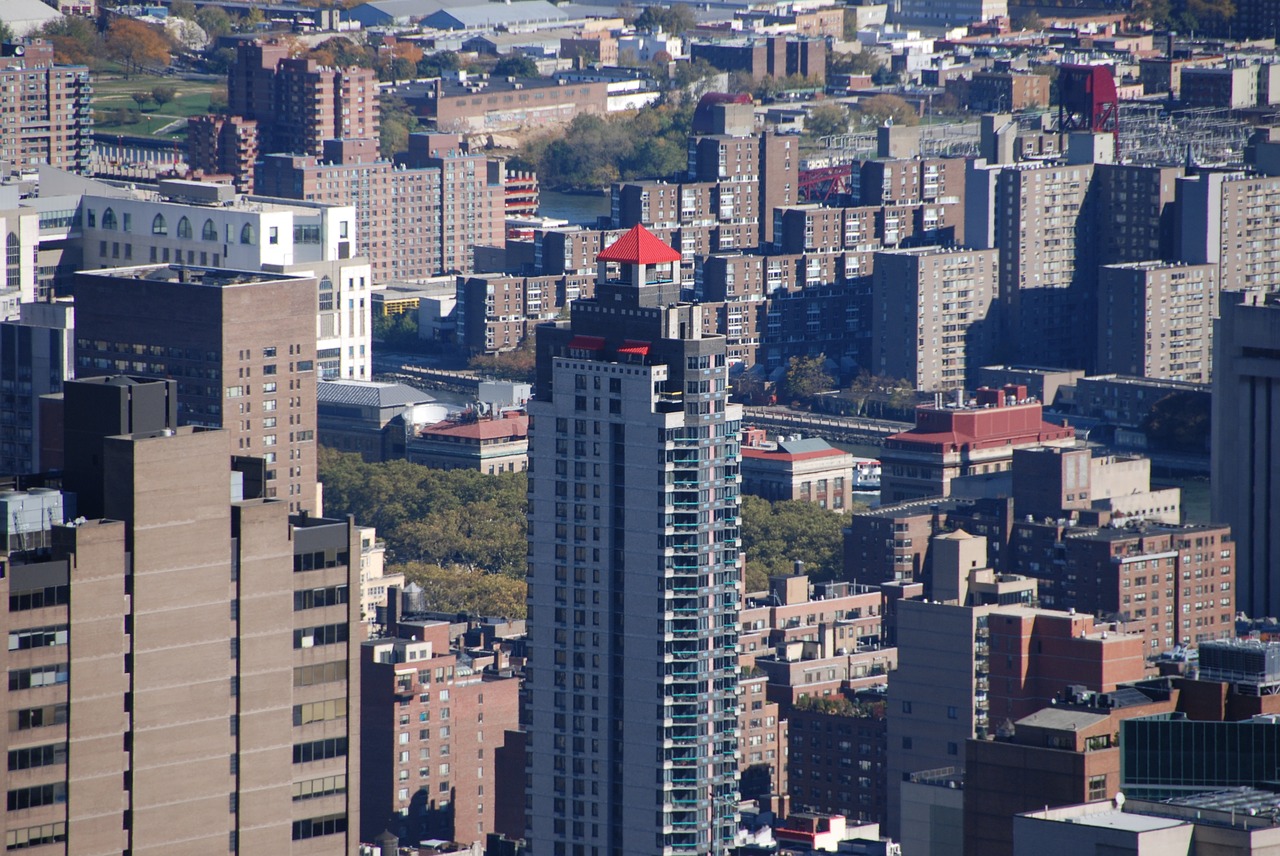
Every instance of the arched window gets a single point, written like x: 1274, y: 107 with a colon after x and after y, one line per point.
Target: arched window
x: 13, y: 261
x: 210, y: 232
x: 184, y: 228
x: 247, y: 234
x: 158, y: 226
x: 109, y: 219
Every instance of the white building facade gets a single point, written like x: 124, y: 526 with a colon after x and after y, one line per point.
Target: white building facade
x: 193, y: 223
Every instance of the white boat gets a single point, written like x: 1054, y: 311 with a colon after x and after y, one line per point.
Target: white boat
x: 866, y: 475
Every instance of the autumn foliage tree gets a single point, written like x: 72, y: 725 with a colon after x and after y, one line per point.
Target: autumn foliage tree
x: 879, y: 109
x: 136, y: 45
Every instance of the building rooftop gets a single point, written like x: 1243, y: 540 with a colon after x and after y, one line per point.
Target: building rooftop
x: 638, y: 246
x: 1114, y: 818
x: 1062, y: 719
x: 514, y: 426
x: 212, y: 277
x: 357, y: 393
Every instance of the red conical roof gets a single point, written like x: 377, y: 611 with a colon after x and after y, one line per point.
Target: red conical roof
x: 638, y: 247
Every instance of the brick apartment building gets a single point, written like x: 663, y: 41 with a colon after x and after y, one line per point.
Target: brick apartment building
x: 1229, y: 220
x: 279, y: 104
x: 434, y: 715
x: 775, y: 56
x: 978, y: 436
x: 417, y: 217
x: 1006, y: 91
x: 934, y: 315
x: 237, y: 366
x: 1155, y: 319
x: 170, y: 588
x: 52, y: 126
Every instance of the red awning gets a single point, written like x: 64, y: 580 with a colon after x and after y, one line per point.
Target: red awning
x: 586, y: 343
x: 634, y: 346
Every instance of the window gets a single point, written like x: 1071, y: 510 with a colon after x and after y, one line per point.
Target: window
x: 159, y: 226
x: 330, y: 824
x: 184, y: 228
x: 209, y: 232
x: 248, y: 235
x: 13, y: 260
x: 319, y: 750
x: 109, y: 219
x: 273, y: 235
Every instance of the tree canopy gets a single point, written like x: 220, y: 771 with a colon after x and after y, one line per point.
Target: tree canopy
x: 776, y: 534
x: 1179, y: 422
x: 878, y: 109
x: 136, y: 45
x: 805, y: 378
x: 827, y: 120
x: 677, y: 19
x: 595, y: 151
x: 443, y: 517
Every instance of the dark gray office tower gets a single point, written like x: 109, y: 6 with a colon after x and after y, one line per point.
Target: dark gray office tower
x: 1246, y: 443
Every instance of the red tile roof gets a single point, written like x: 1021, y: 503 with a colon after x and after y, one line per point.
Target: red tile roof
x: 510, y: 427
x: 638, y: 247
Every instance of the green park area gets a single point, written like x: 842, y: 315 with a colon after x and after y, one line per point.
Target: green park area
x: 151, y: 105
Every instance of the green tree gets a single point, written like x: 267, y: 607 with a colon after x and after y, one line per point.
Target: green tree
x: 398, y: 331
x: 214, y: 21
x: 879, y: 109
x: 861, y: 62
x: 140, y: 98
x: 6, y: 32
x: 1027, y: 20
x: 75, y: 41
x: 183, y: 9
x: 827, y: 120
x: 1179, y: 422
x: 397, y: 121
x: 516, y: 65
x: 467, y: 590
x: 805, y: 378
x: 163, y: 94
x: 438, y: 64
x: 677, y: 19
x: 777, y: 534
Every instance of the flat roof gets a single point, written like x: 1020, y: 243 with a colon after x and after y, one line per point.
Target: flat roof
x: 1116, y: 819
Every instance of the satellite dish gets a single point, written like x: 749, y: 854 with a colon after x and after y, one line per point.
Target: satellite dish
x: 1119, y: 800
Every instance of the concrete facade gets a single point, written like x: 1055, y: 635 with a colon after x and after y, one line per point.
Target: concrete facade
x: 1246, y: 416
x: 238, y: 367
x: 630, y: 388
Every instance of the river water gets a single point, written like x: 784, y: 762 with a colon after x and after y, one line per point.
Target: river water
x: 578, y: 208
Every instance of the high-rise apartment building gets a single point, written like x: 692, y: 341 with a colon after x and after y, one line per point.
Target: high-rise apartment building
x: 35, y: 358
x: 434, y: 715
x: 1155, y: 319
x: 1044, y: 229
x: 158, y: 700
x: 281, y: 104
x: 634, y: 572
x: 932, y: 314
x: 1137, y: 202
x: 1246, y: 445
x: 417, y: 217
x: 46, y: 112
x: 1231, y: 220
x: 241, y: 346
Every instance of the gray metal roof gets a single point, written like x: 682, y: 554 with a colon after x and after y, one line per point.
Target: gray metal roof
x: 489, y: 15
x: 355, y: 393
x: 808, y: 444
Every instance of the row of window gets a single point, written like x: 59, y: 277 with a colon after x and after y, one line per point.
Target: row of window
x: 319, y: 750
x: 319, y: 711
x: 39, y: 598
x: 37, y: 637
x: 37, y: 756
x: 33, y: 797
x: 313, y: 598
x: 39, y: 676
x: 314, y: 827
x: 209, y: 232
x: 327, y: 634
